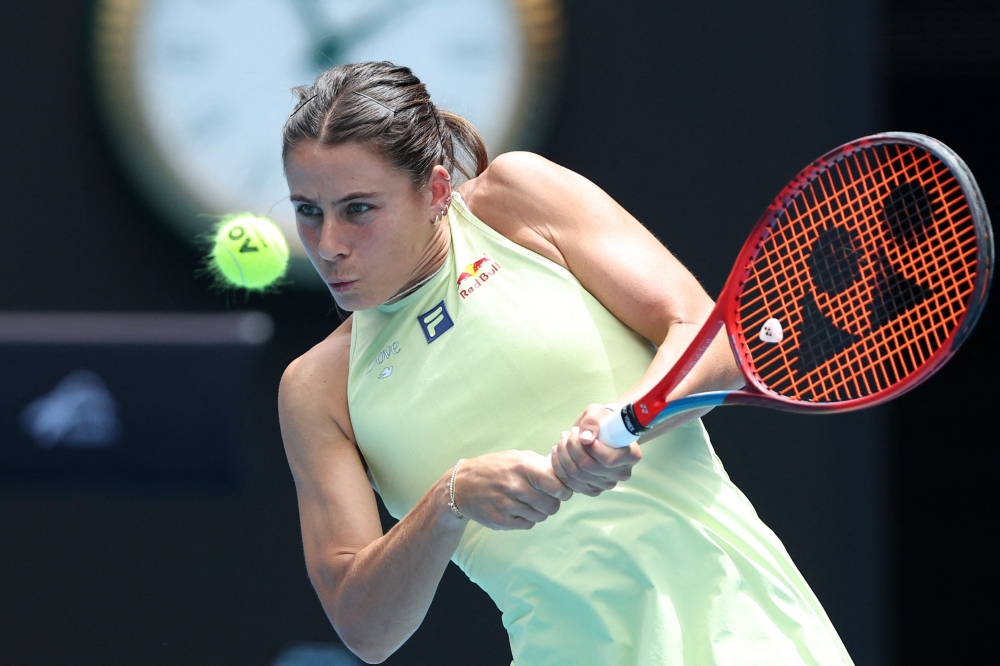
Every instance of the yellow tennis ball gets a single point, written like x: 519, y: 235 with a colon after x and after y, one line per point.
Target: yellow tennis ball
x: 249, y: 252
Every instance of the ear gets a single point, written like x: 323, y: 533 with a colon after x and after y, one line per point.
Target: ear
x: 439, y: 187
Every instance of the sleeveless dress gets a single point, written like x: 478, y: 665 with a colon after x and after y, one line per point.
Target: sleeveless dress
x: 502, y: 349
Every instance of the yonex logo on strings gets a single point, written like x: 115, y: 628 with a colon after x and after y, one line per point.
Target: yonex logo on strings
x: 844, y: 265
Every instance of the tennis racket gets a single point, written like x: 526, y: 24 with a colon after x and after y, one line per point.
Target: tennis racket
x: 860, y: 280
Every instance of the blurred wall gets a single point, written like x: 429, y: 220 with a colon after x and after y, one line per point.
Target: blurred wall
x: 692, y: 115
x: 944, y: 80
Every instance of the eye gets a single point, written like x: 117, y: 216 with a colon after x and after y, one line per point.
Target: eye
x: 357, y: 208
x: 307, y: 210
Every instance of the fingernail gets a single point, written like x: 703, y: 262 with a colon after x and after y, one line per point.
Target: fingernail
x: 586, y: 434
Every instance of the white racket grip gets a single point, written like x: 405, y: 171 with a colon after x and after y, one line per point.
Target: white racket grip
x: 613, y: 431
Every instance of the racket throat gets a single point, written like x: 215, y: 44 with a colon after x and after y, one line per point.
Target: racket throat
x: 650, y: 405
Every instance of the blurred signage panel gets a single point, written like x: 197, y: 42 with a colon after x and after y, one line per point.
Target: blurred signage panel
x: 127, y: 399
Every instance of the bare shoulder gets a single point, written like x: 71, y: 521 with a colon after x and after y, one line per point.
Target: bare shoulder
x: 568, y: 219
x: 528, y: 199
x: 315, y: 384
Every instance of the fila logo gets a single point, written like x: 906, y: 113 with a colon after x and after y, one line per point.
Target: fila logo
x: 435, y: 321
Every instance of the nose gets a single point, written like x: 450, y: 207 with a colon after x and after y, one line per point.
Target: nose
x: 332, y: 243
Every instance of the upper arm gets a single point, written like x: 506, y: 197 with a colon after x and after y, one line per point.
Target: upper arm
x: 337, y: 506
x: 566, y: 218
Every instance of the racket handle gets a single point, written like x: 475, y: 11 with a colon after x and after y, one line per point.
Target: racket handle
x: 613, y: 431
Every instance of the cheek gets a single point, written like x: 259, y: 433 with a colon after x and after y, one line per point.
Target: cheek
x: 310, y: 230
x: 384, y: 248
x: 308, y: 236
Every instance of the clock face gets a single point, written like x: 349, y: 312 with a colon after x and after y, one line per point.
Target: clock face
x: 207, y: 83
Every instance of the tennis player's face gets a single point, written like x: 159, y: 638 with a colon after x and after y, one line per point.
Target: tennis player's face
x: 364, y: 226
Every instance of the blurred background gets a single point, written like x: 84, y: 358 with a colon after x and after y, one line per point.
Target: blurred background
x: 164, y: 529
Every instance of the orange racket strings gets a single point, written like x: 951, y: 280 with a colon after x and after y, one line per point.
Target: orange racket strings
x: 869, y: 270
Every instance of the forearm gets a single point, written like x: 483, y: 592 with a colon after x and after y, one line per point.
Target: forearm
x: 715, y: 371
x: 381, y: 596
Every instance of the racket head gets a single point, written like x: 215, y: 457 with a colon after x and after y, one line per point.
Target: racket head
x: 862, y: 278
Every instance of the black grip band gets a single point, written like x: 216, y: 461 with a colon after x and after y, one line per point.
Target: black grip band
x: 631, y: 422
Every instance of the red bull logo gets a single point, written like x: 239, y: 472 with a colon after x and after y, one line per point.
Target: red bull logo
x: 475, y: 275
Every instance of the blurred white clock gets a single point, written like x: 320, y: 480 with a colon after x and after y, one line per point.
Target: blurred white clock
x: 196, y: 91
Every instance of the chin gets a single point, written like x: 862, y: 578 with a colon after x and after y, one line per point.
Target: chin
x: 352, y: 302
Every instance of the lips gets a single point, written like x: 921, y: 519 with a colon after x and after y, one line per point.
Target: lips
x: 340, y: 286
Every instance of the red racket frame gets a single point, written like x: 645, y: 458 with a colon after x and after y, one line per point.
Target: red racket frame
x: 639, y: 415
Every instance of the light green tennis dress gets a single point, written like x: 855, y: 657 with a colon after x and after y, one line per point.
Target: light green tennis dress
x: 503, y: 349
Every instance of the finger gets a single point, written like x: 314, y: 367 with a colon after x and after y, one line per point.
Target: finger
x: 590, y: 426
x: 571, y: 455
x: 591, y: 417
x: 538, y: 500
x: 545, y: 478
x: 528, y: 512
x: 610, y: 457
x: 515, y: 523
x: 563, y: 475
x: 606, y: 456
x: 559, y: 470
x: 576, y: 485
x: 511, y: 514
x: 587, y: 484
x: 582, y: 464
x: 505, y: 523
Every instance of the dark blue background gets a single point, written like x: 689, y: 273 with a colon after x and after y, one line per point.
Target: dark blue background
x: 184, y: 413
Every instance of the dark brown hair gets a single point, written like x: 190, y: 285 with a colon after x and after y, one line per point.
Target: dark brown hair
x: 387, y: 108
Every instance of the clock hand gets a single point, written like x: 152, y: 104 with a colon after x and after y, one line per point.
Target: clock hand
x: 330, y: 42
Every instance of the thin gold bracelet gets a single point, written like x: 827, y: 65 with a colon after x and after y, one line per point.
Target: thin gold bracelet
x: 451, y: 490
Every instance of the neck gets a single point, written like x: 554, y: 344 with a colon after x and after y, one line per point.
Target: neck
x: 431, y: 261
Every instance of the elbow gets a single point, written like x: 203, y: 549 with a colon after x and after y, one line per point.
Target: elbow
x: 363, y: 646
x: 374, y: 658
x: 370, y: 656
x: 372, y: 637
x: 370, y: 640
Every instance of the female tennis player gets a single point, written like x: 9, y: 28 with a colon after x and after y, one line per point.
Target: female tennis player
x: 491, y: 323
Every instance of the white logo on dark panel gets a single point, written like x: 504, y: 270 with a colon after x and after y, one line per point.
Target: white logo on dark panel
x: 435, y: 321
x: 80, y: 412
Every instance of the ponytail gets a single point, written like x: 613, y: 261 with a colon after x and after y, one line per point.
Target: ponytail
x: 466, y: 146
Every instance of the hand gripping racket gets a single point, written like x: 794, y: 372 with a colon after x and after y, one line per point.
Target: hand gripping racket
x: 861, y: 279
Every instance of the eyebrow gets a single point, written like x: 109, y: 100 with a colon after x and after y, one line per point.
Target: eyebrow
x: 349, y: 197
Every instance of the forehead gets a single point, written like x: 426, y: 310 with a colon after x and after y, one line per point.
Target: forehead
x: 312, y: 167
